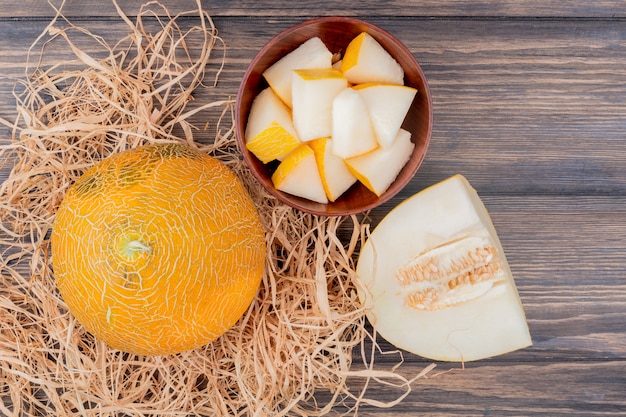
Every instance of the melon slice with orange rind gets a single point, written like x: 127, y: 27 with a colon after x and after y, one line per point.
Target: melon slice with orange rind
x: 270, y: 133
x: 336, y: 177
x: 298, y: 175
x: 313, y: 92
x: 365, y: 60
x: 313, y: 53
x: 378, y: 169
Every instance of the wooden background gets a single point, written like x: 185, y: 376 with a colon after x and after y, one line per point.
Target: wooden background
x: 530, y: 105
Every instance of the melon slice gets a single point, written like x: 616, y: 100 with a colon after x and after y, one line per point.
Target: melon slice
x: 270, y: 133
x: 313, y: 92
x: 366, y: 61
x: 352, y: 131
x: 298, y: 175
x: 436, y: 281
x: 388, y: 105
x: 311, y: 54
x: 378, y: 169
x: 336, y: 177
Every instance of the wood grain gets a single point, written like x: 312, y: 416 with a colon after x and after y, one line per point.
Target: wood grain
x: 530, y: 104
x: 602, y: 9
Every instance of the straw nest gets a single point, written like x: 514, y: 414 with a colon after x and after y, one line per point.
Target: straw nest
x: 292, y: 352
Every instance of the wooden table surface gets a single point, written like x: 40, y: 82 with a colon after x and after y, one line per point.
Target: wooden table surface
x: 529, y: 104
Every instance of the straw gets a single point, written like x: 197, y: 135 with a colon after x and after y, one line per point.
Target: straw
x: 297, y: 338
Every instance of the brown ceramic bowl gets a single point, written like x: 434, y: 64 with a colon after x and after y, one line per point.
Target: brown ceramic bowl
x: 336, y: 33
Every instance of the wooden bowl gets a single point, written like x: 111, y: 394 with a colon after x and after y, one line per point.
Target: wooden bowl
x: 336, y: 33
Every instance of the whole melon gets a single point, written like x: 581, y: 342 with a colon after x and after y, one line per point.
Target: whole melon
x: 158, y: 250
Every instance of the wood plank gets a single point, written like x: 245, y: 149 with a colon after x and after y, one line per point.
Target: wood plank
x: 607, y: 9
x: 520, y: 107
x: 532, y: 112
x: 544, y: 110
x: 566, y: 255
x: 513, y: 389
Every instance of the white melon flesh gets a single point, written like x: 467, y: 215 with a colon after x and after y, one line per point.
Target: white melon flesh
x: 366, y: 61
x: 352, y: 131
x: 311, y: 54
x: 298, y: 175
x: 436, y: 281
x: 270, y: 133
x: 336, y: 177
x: 313, y: 92
x: 388, y: 105
x: 378, y: 169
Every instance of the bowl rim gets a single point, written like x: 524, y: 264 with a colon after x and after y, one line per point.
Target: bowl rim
x: 240, y: 130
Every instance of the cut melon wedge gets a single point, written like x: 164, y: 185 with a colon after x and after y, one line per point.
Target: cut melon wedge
x: 336, y: 177
x: 298, y: 175
x: 352, y: 130
x: 366, y: 60
x: 270, y: 133
x: 435, y: 279
x: 313, y: 92
x: 388, y: 105
x: 311, y: 54
x: 378, y: 169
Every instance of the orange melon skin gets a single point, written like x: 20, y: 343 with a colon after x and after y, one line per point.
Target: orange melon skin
x: 158, y: 250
